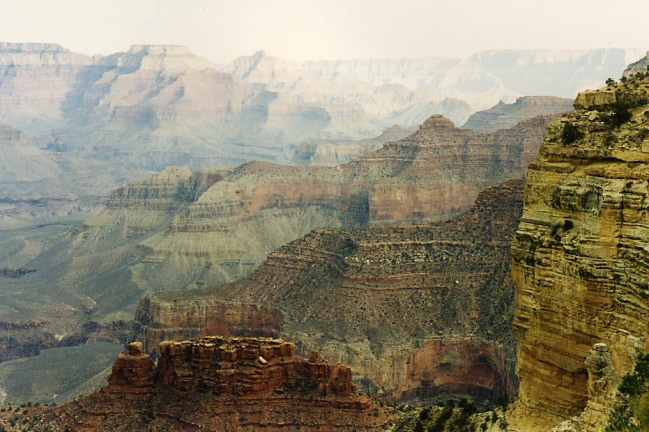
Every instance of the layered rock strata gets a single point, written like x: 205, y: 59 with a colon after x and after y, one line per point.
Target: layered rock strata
x: 505, y: 116
x: 157, y: 322
x: 336, y: 152
x: 180, y: 229
x: 184, y: 229
x: 222, y: 384
x: 417, y: 311
x: 579, y: 254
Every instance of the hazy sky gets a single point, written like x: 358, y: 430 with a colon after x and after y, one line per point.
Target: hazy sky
x: 327, y: 29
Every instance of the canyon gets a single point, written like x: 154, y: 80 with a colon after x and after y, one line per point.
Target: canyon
x: 183, y: 229
x: 159, y: 105
x: 38, y: 185
x: 416, y: 311
x: 505, y: 116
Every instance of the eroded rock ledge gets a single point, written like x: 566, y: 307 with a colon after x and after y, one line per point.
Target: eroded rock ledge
x: 222, y: 384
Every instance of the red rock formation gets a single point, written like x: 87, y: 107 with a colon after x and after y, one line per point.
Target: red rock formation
x: 133, y: 371
x: 222, y: 384
x: 247, y: 366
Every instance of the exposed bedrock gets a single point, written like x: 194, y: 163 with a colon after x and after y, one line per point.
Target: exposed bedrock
x: 579, y: 256
x: 223, y: 384
x: 157, y: 321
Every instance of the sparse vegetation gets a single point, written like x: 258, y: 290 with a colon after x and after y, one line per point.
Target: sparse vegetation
x: 633, y: 414
x: 570, y: 133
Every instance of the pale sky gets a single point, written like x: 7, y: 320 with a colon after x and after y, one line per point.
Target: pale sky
x: 297, y: 30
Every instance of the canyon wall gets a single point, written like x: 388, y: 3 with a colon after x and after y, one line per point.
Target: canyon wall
x: 579, y: 255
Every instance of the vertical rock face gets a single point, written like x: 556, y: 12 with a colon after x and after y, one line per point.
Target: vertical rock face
x: 222, y: 384
x: 579, y: 255
x: 247, y: 366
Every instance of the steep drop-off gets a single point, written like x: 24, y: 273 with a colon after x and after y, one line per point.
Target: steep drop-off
x: 579, y: 257
x: 417, y: 311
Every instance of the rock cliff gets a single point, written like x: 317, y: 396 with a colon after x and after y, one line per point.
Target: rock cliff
x: 579, y: 256
x: 219, y: 230
x: 505, y: 116
x: 180, y: 229
x: 638, y: 66
x: 221, y: 384
x: 417, y: 311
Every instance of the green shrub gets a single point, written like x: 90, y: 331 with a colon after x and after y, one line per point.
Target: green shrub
x: 570, y: 133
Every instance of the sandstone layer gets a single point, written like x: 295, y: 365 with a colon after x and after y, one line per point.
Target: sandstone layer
x: 579, y: 255
x: 222, y: 384
x: 417, y: 311
x: 155, y: 323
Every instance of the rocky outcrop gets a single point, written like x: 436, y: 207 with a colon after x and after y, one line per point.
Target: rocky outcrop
x: 222, y: 384
x: 505, y: 116
x: 466, y: 163
x: 417, y: 311
x: 133, y: 371
x: 578, y: 256
x: 332, y: 152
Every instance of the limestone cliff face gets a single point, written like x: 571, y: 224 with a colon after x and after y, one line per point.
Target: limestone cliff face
x: 417, y: 311
x: 579, y: 254
x: 505, y: 116
x: 222, y: 384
